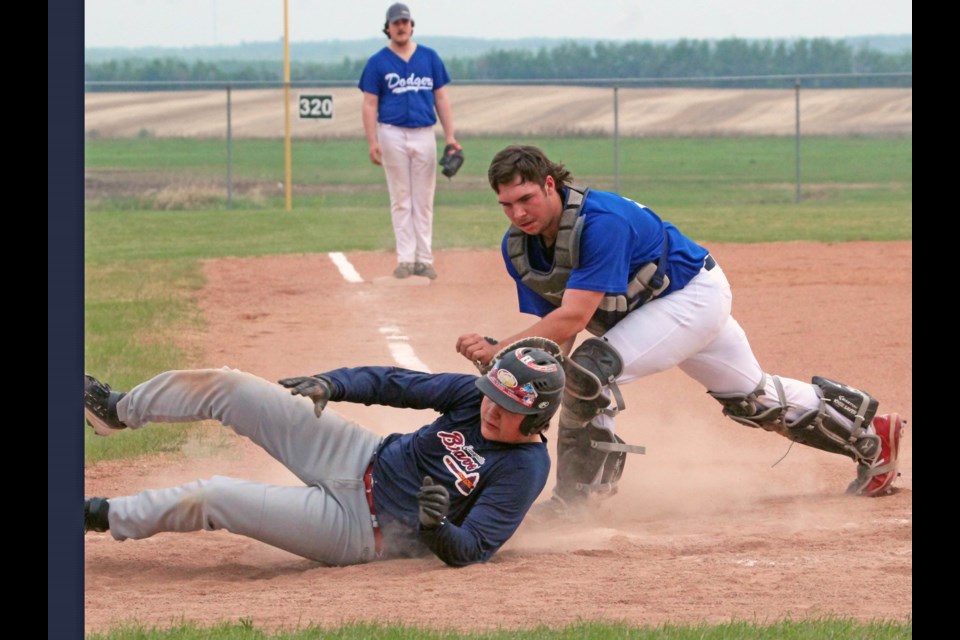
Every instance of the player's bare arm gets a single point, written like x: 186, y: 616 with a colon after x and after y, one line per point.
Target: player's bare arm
x: 370, y: 127
x: 561, y: 325
x: 445, y: 114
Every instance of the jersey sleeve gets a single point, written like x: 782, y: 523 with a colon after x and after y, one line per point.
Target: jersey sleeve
x: 370, y: 78
x: 495, y: 516
x: 439, y: 71
x: 401, y: 388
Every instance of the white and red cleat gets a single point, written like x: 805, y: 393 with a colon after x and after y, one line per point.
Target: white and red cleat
x: 874, y: 478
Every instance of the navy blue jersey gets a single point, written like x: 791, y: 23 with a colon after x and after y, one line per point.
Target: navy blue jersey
x: 491, y: 484
x: 405, y: 88
x: 619, y: 236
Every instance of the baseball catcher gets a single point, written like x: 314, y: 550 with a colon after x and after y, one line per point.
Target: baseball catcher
x: 452, y: 160
x: 583, y: 259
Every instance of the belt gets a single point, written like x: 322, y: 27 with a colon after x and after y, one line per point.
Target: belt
x: 709, y: 263
x: 377, y: 533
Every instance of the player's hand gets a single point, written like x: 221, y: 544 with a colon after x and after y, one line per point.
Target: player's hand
x: 434, y: 503
x: 317, y: 389
x: 376, y: 154
x: 477, y: 349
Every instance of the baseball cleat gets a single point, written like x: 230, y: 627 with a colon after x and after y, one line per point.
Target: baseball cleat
x: 425, y: 270
x: 875, y: 478
x: 403, y: 270
x: 100, y: 406
x: 95, y: 511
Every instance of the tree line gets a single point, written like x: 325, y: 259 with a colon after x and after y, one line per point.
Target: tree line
x: 715, y: 63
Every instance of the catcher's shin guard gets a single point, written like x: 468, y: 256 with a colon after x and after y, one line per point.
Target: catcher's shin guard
x: 590, y: 461
x: 590, y: 457
x: 839, y: 425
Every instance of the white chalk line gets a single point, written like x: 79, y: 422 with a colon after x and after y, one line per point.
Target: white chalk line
x: 401, y: 350
x: 346, y: 269
x: 398, y: 343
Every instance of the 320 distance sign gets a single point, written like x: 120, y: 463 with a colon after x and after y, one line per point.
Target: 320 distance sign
x: 312, y: 106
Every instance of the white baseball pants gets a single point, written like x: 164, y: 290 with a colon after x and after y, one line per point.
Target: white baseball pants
x: 693, y: 329
x: 410, y: 164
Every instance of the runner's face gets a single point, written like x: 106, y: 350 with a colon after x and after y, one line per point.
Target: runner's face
x: 532, y: 208
x: 499, y: 425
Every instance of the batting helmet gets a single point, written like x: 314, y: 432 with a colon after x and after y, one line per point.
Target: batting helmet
x: 527, y: 381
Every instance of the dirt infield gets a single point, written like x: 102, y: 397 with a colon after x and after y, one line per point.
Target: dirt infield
x: 710, y: 525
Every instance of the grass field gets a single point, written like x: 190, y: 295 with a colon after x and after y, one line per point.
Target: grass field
x: 817, y: 629
x: 143, y: 256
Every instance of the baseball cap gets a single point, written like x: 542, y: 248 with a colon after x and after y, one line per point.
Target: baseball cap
x: 398, y: 11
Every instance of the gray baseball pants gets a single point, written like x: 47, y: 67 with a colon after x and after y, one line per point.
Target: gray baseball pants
x: 327, y: 520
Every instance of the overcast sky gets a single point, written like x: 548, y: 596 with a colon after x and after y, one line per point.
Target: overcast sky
x: 187, y: 23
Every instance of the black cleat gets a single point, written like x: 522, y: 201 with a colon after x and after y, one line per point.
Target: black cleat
x: 100, y: 406
x: 95, y: 512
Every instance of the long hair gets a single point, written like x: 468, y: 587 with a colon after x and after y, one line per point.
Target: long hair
x: 386, y: 28
x: 529, y: 163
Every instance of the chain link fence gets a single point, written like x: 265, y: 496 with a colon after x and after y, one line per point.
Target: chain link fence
x: 124, y: 119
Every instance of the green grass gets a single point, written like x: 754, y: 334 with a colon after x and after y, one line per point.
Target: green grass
x: 819, y: 629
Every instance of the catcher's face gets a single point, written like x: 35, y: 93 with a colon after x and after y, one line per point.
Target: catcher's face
x: 499, y: 425
x: 532, y: 208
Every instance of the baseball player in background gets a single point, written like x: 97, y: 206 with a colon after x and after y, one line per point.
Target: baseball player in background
x: 458, y: 487
x: 404, y: 90
x: 653, y: 299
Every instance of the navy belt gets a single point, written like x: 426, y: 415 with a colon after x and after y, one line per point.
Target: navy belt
x: 709, y: 263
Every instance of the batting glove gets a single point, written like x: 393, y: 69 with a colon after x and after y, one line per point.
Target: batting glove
x: 434, y: 503
x: 317, y: 389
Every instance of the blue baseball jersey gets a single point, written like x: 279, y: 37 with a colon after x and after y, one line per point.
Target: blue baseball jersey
x: 405, y: 88
x: 619, y: 236
x: 491, y: 484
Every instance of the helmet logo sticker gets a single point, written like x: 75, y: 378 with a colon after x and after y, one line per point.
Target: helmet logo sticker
x: 507, y: 378
x: 523, y: 355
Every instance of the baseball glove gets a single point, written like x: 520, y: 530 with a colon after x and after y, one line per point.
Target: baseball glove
x: 452, y: 160
x: 535, y: 342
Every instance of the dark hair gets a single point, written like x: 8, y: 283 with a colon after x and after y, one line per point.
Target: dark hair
x: 386, y: 28
x: 528, y: 162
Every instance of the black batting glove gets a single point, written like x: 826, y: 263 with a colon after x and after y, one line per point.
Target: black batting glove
x: 317, y: 389
x: 434, y: 503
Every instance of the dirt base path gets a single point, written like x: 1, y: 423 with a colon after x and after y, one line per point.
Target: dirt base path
x: 706, y: 527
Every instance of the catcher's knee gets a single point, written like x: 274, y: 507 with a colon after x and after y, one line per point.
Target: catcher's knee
x: 838, y: 425
x: 594, y: 365
x: 591, y: 366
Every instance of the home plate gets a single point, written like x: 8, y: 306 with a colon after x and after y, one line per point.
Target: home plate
x: 412, y: 281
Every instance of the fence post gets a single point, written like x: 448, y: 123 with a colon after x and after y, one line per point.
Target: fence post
x: 229, y: 154
x: 796, y: 196
x: 616, y: 139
